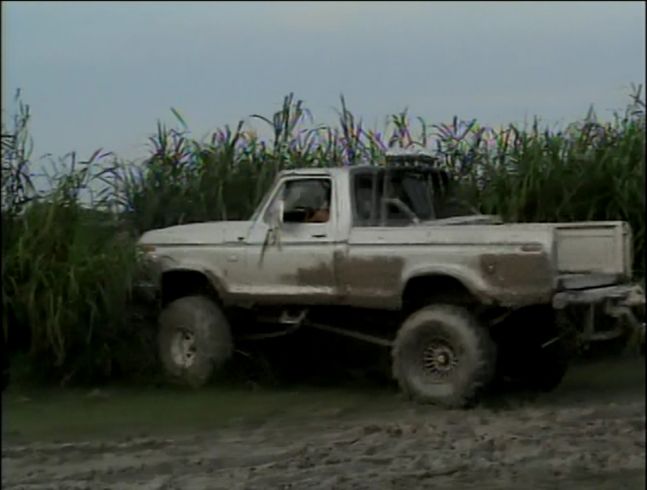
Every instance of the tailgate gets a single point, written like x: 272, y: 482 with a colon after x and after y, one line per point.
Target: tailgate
x: 594, y: 247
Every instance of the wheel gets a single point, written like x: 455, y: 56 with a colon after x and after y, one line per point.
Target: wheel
x: 441, y: 355
x: 194, y: 340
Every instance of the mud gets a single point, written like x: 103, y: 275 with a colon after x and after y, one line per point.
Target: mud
x: 571, y: 439
x: 371, y: 282
x: 320, y: 275
x: 519, y: 279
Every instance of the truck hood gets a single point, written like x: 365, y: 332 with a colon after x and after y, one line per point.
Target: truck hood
x: 215, y: 233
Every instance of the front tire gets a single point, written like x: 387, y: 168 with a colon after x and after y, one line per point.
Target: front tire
x: 194, y: 340
x: 443, y: 356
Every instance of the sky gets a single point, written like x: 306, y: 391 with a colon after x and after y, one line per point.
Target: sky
x: 101, y: 74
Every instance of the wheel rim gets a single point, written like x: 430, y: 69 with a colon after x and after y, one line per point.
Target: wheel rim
x: 183, y: 348
x: 439, y: 360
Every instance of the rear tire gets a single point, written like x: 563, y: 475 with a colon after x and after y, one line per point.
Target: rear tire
x: 194, y: 340
x: 443, y: 356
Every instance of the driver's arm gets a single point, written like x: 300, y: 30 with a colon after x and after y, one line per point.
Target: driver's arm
x: 319, y: 216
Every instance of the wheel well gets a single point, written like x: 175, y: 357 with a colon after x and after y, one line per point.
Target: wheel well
x: 180, y: 283
x: 423, y: 290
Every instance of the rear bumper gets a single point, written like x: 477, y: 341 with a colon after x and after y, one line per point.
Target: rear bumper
x: 624, y: 303
x: 631, y: 295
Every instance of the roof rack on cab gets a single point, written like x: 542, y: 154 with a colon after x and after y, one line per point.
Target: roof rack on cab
x: 416, y: 158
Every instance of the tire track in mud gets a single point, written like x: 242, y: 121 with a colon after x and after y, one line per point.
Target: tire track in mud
x: 601, y: 446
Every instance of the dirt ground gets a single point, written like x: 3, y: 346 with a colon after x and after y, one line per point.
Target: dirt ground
x: 590, y: 433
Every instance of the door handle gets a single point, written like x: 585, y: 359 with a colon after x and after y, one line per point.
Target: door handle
x: 319, y: 235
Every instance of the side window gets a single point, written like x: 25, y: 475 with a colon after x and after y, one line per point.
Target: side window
x: 389, y: 200
x: 306, y: 200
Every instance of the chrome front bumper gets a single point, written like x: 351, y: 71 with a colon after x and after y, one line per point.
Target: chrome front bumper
x: 147, y: 284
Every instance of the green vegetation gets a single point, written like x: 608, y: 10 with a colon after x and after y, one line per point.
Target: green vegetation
x: 69, y: 255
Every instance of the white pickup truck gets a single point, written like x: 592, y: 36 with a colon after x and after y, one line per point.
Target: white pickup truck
x: 382, y: 253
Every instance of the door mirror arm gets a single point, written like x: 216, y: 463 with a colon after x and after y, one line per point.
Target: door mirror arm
x: 273, y: 234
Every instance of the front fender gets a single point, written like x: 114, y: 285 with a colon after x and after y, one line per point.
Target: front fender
x: 163, y: 264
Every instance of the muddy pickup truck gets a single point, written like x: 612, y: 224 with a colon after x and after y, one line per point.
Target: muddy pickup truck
x: 386, y: 254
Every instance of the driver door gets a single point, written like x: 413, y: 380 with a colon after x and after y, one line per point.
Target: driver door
x: 292, y: 262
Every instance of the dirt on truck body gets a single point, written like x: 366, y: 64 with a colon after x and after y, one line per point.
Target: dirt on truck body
x: 472, y: 300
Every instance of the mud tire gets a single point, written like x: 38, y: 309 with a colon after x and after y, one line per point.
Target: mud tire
x: 456, y: 327
x: 201, y: 319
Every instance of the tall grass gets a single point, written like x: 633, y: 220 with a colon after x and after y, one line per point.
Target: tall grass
x: 69, y: 263
x: 67, y: 268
